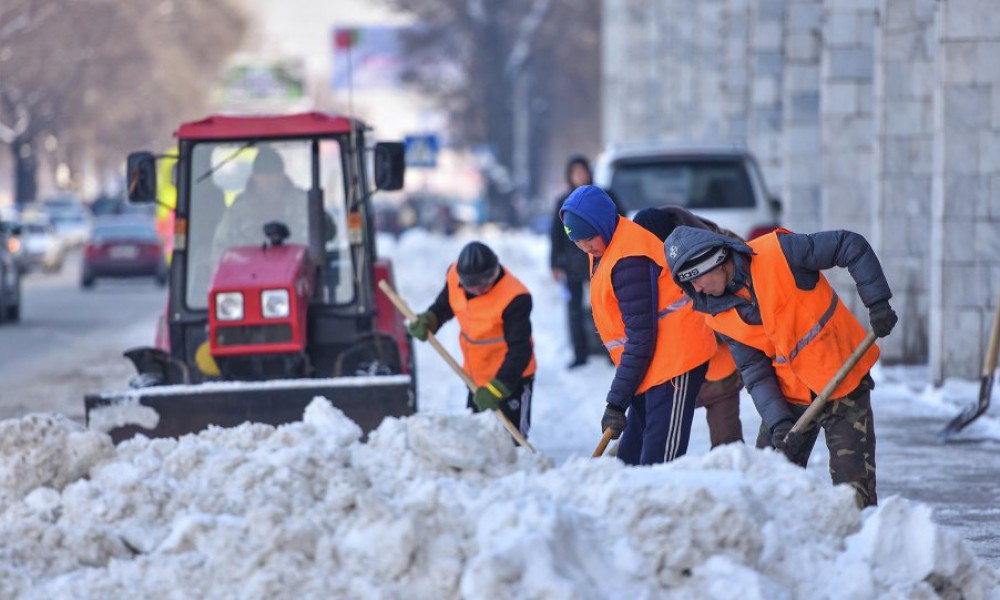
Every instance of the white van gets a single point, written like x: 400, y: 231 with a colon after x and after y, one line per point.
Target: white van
x: 722, y: 183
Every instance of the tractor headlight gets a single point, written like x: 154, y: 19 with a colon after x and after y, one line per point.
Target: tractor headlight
x: 229, y: 306
x: 274, y: 303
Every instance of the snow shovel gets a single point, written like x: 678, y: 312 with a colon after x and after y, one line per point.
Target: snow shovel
x: 403, y: 308
x: 817, y: 405
x: 971, y: 413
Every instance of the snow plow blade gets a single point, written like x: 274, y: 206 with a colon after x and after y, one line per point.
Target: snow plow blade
x: 175, y: 410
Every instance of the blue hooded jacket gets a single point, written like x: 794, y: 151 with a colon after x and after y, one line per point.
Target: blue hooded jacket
x: 634, y: 281
x: 593, y: 205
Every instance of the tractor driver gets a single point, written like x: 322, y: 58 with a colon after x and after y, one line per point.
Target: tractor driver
x: 269, y: 196
x: 493, y: 309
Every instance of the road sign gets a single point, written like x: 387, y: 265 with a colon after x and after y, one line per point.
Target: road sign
x: 421, y: 150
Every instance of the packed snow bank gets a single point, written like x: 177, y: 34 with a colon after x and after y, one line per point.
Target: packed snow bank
x: 440, y: 506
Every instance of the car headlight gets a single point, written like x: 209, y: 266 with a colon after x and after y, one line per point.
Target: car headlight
x: 229, y: 306
x: 274, y: 303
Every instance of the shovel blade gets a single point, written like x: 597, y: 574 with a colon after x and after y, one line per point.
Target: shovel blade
x: 972, y: 412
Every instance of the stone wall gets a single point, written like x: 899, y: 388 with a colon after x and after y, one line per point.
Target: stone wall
x: 965, y: 197
x: 880, y: 117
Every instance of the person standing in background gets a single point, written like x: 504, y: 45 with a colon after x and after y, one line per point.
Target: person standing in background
x: 570, y: 265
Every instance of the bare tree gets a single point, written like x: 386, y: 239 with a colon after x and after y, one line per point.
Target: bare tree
x: 104, y: 76
x: 506, y: 71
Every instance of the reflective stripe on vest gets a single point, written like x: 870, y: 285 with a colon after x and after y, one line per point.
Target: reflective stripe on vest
x: 676, y: 306
x: 683, y: 341
x: 466, y: 337
x: 813, y: 333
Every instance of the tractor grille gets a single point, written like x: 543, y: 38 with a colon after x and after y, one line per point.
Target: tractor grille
x: 258, y: 334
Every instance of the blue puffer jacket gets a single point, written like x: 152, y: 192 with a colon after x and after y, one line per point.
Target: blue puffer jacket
x: 634, y: 282
x: 807, y: 255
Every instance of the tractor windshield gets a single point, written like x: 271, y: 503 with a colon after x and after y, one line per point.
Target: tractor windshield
x: 237, y: 187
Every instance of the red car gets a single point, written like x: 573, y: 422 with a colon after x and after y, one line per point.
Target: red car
x: 123, y: 247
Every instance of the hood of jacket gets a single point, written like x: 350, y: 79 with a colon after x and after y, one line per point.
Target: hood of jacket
x: 685, y: 242
x: 593, y: 205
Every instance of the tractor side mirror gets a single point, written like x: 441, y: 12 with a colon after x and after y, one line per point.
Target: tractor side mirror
x: 141, y: 177
x: 390, y: 165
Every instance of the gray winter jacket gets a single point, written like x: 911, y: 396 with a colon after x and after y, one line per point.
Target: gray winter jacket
x: 807, y: 255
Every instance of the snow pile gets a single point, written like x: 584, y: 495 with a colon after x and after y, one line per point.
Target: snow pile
x: 441, y: 506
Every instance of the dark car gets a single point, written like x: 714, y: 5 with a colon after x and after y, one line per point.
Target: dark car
x: 10, y: 277
x: 123, y: 247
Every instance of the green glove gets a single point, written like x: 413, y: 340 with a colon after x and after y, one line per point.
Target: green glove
x: 426, y: 323
x: 488, y: 397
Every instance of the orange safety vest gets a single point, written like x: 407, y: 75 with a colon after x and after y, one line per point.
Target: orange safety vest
x: 721, y: 365
x: 481, y: 321
x: 683, y: 340
x: 808, y: 334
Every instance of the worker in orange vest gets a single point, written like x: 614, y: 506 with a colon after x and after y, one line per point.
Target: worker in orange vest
x: 790, y: 333
x: 720, y: 394
x: 660, y: 348
x: 493, y: 309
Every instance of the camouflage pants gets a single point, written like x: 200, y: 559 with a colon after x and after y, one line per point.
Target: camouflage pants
x: 721, y: 400
x: 850, y: 436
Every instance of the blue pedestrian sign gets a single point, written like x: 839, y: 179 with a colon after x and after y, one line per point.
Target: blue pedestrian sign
x: 421, y: 150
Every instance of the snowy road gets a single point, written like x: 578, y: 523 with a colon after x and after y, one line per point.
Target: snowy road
x: 70, y: 342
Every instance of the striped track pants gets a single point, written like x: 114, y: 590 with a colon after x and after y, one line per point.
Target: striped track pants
x: 659, y: 420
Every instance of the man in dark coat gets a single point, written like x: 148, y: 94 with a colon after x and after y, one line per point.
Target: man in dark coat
x: 768, y: 291
x: 570, y: 265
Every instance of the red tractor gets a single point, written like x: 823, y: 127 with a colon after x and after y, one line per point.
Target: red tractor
x: 273, y: 296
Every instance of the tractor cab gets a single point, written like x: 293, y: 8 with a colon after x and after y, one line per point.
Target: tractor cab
x: 273, y: 277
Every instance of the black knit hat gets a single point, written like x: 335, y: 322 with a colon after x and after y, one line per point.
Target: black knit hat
x: 477, y: 265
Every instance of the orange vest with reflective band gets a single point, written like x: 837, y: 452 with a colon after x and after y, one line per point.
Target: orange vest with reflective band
x: 481, y: 321
x: 808, y: 334
x: 683, y: 341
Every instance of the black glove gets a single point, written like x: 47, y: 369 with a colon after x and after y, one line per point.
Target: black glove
x: 882, y: 318
x: 614, y: 419
x: 784, y: 439
x: 426, y: 322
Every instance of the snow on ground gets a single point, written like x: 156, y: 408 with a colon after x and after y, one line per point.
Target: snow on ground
x: 443, y: 505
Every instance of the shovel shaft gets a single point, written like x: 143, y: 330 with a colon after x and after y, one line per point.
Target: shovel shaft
x: 405, y: 310
x: 817, y: 405
x: 601, y: 445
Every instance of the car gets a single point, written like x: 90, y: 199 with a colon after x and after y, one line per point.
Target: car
x: 10, y: 233
x: 720, y: 182
x: 41, y: 246
x: 70, y: 218
x: 123, y: 246
x: 10, y: 277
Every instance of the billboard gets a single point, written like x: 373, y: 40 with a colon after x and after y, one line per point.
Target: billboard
x: 370, y: 56
x: 263, y: 82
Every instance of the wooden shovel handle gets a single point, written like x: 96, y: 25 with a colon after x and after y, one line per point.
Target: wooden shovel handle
x: 601, y: 445
x: 405, y: 310
x: 817, y: 405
